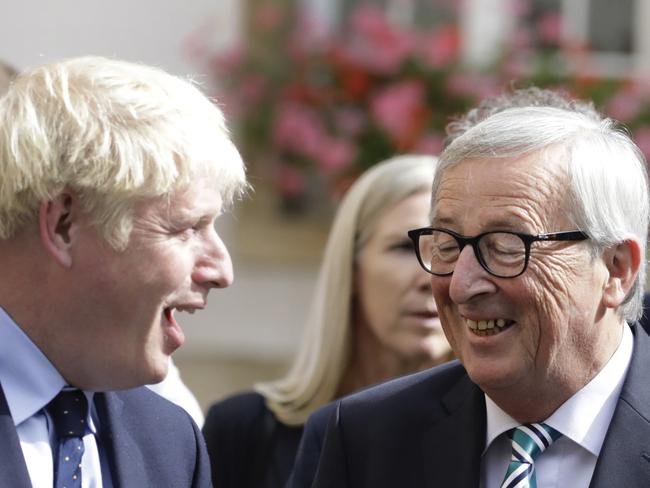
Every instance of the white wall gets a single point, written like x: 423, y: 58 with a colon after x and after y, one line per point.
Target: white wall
x: 152, y: 31
x: 261, y: 315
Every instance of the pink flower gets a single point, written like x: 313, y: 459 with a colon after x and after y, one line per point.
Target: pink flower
x: 307, y: 38
x: 476, y: 85
x: 549, y: 27
x: 376, y: 44
x: 290, y: 181
x: 349, y: 121
x: 252, y: 89
x: 429, y: 144
x: 641, y: 87
x: 441, y: 47
x: 519, y: 8
x: 398, y: 109
x: 228, y: 61
x: 370, y: 21
x: 514, y: 67
x: 520, y: 39
x: 625, y: 105
x: 298, y: 129
x: 642, y: 139
x: 335, y: 154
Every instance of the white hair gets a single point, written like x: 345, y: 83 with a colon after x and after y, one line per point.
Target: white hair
x: 327, y: 343
x: 111, y: 131
x: 608, y: 182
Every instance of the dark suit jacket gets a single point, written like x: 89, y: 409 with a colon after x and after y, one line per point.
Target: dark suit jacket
x: 248, y: 446
x: 149, y: 442
x: 428, y: 430
x: 645, y: 319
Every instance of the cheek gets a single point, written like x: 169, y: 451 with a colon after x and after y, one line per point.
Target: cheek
x: 440, y: 291
x: 559, y: 294
x: 553, y: 288
x: 378, y: 294
x: 444, y: 304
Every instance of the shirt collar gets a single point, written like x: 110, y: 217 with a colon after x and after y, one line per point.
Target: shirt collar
x: 29, y: 380
x: 585, y: 417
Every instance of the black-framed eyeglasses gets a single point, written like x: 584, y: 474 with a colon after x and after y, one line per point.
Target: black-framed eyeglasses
x: 503, y: 254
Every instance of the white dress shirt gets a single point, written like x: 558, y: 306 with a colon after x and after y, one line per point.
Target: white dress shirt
x: 30, y: 382
x: 583, y: 420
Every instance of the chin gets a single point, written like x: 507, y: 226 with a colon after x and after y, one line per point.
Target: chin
x: 437, y: 350
x: 159, y: 372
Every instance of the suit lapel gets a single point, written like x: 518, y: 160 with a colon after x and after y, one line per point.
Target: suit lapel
x: 124, y: 455
x: 453, y: 445
x: 13, y: 470
x: 624, y: 459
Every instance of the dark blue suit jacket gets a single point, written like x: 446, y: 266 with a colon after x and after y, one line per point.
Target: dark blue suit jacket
x: 645, y: 319
x: 149, y: 442
x: 428, y: 430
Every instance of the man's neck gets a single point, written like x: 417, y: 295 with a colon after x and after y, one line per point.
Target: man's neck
x: 535, y: 399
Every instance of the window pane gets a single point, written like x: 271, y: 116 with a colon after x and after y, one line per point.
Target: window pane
x: 610, y: 25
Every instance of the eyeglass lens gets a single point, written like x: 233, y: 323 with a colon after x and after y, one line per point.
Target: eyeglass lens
x: 502, y: 253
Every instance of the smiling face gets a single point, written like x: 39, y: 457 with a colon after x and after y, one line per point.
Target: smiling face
x: 124, y: 317
x: 557, y: 332
x: 394, y: 293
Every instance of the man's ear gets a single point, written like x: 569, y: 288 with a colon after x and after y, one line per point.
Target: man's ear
x: 623, y: 262
x: 55, y: 223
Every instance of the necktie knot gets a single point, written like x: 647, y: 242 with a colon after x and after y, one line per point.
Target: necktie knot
x: 69, y: 410
x: 528, y: 442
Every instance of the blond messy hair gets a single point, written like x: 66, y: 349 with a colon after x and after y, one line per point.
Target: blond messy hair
x: 112, y: 132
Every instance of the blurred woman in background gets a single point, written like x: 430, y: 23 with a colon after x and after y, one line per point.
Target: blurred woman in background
x: 372, y: 318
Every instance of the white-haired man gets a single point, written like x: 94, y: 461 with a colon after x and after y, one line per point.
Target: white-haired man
x: 536, y: 253
x: 113, y: 174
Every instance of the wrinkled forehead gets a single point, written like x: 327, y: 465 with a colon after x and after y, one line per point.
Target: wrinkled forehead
x: 528, y: 191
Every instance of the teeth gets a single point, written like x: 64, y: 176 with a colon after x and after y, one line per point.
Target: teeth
x: 187, y: 310
x: 489, y: 326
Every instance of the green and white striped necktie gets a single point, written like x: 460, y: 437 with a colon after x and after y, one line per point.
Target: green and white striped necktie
x: 528, y: 442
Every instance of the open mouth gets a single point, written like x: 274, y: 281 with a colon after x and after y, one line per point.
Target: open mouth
x: 488, y: 327
x: 425, y: 315
x: 174, y: 336
x: 169, y: 312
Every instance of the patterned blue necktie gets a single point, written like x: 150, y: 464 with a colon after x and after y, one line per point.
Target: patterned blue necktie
x: 68, y: 411
x: 528, y: 442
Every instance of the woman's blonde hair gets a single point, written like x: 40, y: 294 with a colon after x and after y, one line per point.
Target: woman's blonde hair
x: 112, y: 132
x: 324, y: 353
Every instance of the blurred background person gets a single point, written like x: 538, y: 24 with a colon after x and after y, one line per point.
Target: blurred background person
x: 372, y: 318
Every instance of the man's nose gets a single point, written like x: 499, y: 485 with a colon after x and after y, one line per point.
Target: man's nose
x: 214, y: 267
x: 469, y: 279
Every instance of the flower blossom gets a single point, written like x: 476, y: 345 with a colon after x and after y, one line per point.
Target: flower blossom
x: 399, y: 109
